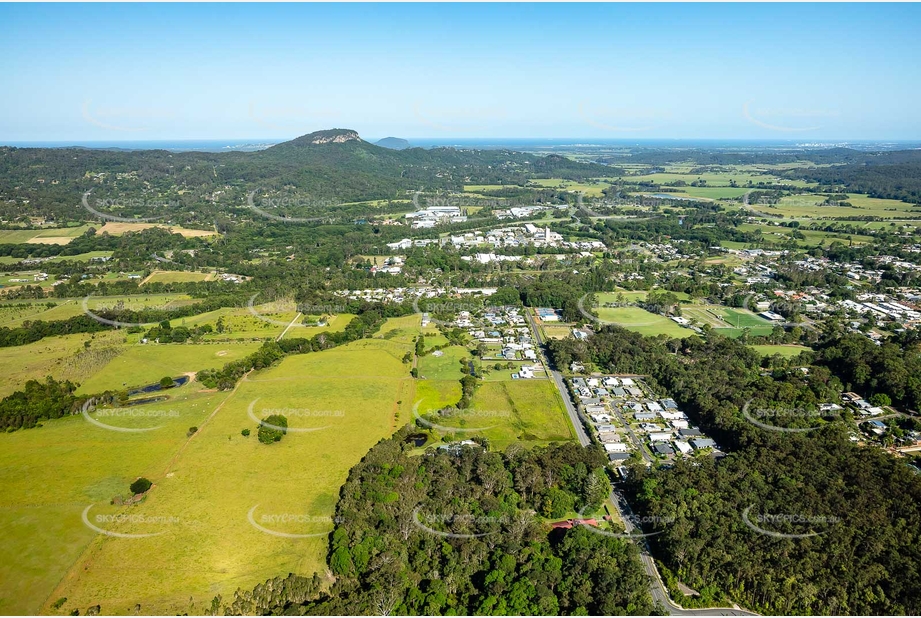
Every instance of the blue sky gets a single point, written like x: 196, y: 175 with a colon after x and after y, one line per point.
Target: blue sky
x: 170, y: 71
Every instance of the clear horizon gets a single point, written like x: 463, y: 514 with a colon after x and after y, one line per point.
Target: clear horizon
x: 796, y: 72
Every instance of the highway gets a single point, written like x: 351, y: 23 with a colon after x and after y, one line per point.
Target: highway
x: 657, y: 587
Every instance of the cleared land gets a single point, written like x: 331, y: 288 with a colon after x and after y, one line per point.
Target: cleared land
x: 173, y: 276
x: 810, y: 207
x: 642, y: 321
x: 787, y: 351
x: 205, y: 487
x: 117, y: 228
x: 47, y: 236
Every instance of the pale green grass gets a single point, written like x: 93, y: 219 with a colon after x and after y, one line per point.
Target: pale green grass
x: 171, y: 276
x: 41, y: 504
x: 55, y: 356
x: 520, y: 411
x: 642, y: 321
x: 349, y: 396
x: 591, y: 189
x: 809, y: 206
x: 146, y: 364
x: 786, y: 351
x: 445, y: 367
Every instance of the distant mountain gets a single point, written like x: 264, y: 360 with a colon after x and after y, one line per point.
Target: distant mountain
x: 334, y: 165
x: 394, y: 143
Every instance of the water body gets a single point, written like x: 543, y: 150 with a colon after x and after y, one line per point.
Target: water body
x: 152, y: 388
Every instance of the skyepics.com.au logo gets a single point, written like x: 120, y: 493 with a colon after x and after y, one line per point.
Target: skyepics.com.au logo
x: 458, y: 525
x: 118, y: 309
x: 584, y: 305
x: 421, y: 201
x: 289, y: 413
x: 275, y: 524
x: 764, y: 417
x: 765, y: 523
x: 102, y: 208
x: 427, y: 419
x: 104, y: 524
x: 288, y: 305
x: 276, y: 207
x: 775, y: 309
x: 124, y: 413
x: 786, y: 120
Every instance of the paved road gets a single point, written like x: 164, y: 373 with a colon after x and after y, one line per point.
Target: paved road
x: 656, y: 587
x: 561, y: 386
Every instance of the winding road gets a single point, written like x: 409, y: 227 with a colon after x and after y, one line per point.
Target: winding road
x: 657, y: 588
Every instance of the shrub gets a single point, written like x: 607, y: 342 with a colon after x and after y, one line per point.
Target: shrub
x: 140, y: 486
x: 245, y: 433
x: 272, y: 428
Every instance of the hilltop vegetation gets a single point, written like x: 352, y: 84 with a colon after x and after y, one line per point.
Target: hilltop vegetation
x: 461, y: 534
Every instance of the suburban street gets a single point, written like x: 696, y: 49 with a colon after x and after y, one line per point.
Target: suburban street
x: 656, y: 586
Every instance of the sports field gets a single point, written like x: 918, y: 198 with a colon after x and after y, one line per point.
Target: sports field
x: 642, y: 321
x: 786, y: 351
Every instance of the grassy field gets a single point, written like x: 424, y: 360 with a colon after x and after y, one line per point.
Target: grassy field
x: 780, y: 234
x: 590, y: 189
x: 787, y: 351
x: 642, y: 321
x: 80, y: 257
x: 65, y: 357
x: 173, y: 276
x: 205, y: 488
x: 146, y: 364
x: 117, y: 228
x: 522, y: 411
x: 630, y: 296
x: 809, y: 207
x: 445, y: 367
x: 42, y: 503
x: 47, y: 236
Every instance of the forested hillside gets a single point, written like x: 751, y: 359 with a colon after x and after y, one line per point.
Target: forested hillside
x: 455, y: 534
x: 859, y: 506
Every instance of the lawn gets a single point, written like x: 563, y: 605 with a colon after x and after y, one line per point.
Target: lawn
x: 214, y: 488
x: 117, y: 228
x: 642, y: 321
x: 786, y: 351
x: 46, y: 236
x: 590, y: 189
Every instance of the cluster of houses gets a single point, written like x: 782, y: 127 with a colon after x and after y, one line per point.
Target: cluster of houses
x: 519, y: 212
x: 392, y: 265
x: 435, y: 215
x: 401, y: 294
x: 505, y: 333
x: 625, y: 419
